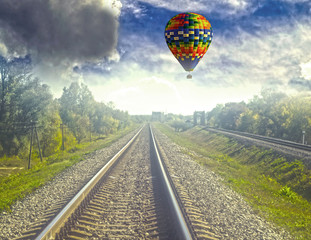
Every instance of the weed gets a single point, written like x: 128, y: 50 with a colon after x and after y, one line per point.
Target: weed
x: 17, y: 186
x: 287, y: 192
x: 272, y: 184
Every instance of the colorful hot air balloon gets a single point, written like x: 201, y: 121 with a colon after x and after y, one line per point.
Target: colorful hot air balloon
x: 188, y: 36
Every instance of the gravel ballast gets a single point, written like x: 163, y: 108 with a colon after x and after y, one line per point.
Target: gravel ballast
x: 226, y: 212
x: 56, y: 192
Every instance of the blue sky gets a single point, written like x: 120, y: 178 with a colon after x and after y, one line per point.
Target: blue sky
x: 256, y: 45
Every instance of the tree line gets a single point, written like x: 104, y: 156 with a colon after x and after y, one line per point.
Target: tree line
x: 271, y: 114
x: 25, y: 101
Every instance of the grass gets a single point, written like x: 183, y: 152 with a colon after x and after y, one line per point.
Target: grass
x: 18, y: 185
x: 276, y: 186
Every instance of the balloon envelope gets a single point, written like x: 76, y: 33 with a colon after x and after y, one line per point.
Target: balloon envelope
x: 188, y: 36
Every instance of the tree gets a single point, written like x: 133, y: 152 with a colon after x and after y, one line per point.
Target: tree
x: 271, y: 114
x: 247, y: 121
x: 23, y: 102
x: 230, y: 114
x: 298, y: 118
x: 77, y: 106
x: 266, y: 107
x: 179, y: 125
x: 50, y: 134
x: 213, y: 116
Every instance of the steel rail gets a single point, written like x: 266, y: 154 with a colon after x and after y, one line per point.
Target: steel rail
x: 264, y: 138
x: 182, y: 227
x: 54, y: 226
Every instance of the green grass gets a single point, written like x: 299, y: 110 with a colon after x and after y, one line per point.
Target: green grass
x: 18, y: 185
x: 276, y: 186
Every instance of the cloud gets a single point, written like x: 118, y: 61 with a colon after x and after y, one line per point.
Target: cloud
x: 269, y: 57
x: 60, y: 35
x: 306, y: 70
x: 223, y: 7
x: 3, y: 50
x: 300, y: 84
x: 246, y: 55
x: 140, y: 94
x: 132, y: 7
x: 59, y: 31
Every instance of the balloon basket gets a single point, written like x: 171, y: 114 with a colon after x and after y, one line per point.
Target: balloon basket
x: 189, y: 76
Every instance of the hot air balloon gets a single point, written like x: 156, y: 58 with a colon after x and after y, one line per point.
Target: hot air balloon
x: 188, y: 36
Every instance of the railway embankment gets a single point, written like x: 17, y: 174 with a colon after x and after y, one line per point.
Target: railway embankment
x: 277, y: 185
x: 53, y: 193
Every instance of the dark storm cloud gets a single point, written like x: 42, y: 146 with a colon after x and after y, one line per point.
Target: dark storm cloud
x: 58, y: 30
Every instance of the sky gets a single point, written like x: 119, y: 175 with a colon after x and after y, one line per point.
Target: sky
x: 117, y: 48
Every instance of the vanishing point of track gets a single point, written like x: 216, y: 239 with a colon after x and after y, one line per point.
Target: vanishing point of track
x: 132, y: 197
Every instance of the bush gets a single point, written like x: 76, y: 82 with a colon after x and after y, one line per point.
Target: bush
x: 179, y: 125
x: 287, y: 192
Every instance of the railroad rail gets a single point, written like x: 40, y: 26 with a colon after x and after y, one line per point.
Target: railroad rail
x: 93, y: 213
x: 50, y: 231
x: 262, y: 138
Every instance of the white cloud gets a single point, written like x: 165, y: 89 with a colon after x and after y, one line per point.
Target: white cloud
x: 3, y: 50
x: 114, y: 5
x: 151, y: 79
x: 148, y: 77
x: 222, y: 7
x: 140, y: 95
x: 160, y: 82
x: 144, y: 93
x: 132, y: 6
x: 271, y: 58
x: 306, y: 70
x: 239, y: 4
x: 236, y: 69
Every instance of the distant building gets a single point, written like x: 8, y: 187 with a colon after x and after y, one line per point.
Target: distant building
x: 201, y: 116
x: 157, y: 117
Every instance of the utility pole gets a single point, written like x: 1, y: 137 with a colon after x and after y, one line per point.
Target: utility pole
x: 30, y: 146
x: 303, y: 137
x: 62, y: 127
x: 34, y: 128
x: 90, y: 132
x: 38, y: 143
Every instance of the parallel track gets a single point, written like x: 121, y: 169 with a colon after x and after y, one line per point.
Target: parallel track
x: 132, y: 197
x: 262, y: 138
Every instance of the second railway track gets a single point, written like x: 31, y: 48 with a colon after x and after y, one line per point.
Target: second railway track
x: 265, y: 139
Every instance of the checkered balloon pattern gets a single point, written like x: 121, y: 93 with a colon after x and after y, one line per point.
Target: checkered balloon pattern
x: 188, y: 36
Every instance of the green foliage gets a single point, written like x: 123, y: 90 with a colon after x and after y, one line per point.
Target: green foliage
x: 84, y: 116
x: 230, y: 114
x: 141, y: 118
x: 18, y: 185
x: 276, y: 186
x: 287, y: 192
x: 271, y: 114
x: 179, y: 125
x: 26, y: 102
x: 23, y: 99
x: 50, y: 136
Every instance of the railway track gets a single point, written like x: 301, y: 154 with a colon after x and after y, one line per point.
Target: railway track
x: 262, y: 138
x: 131, y: 197
x: 132, y: 203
